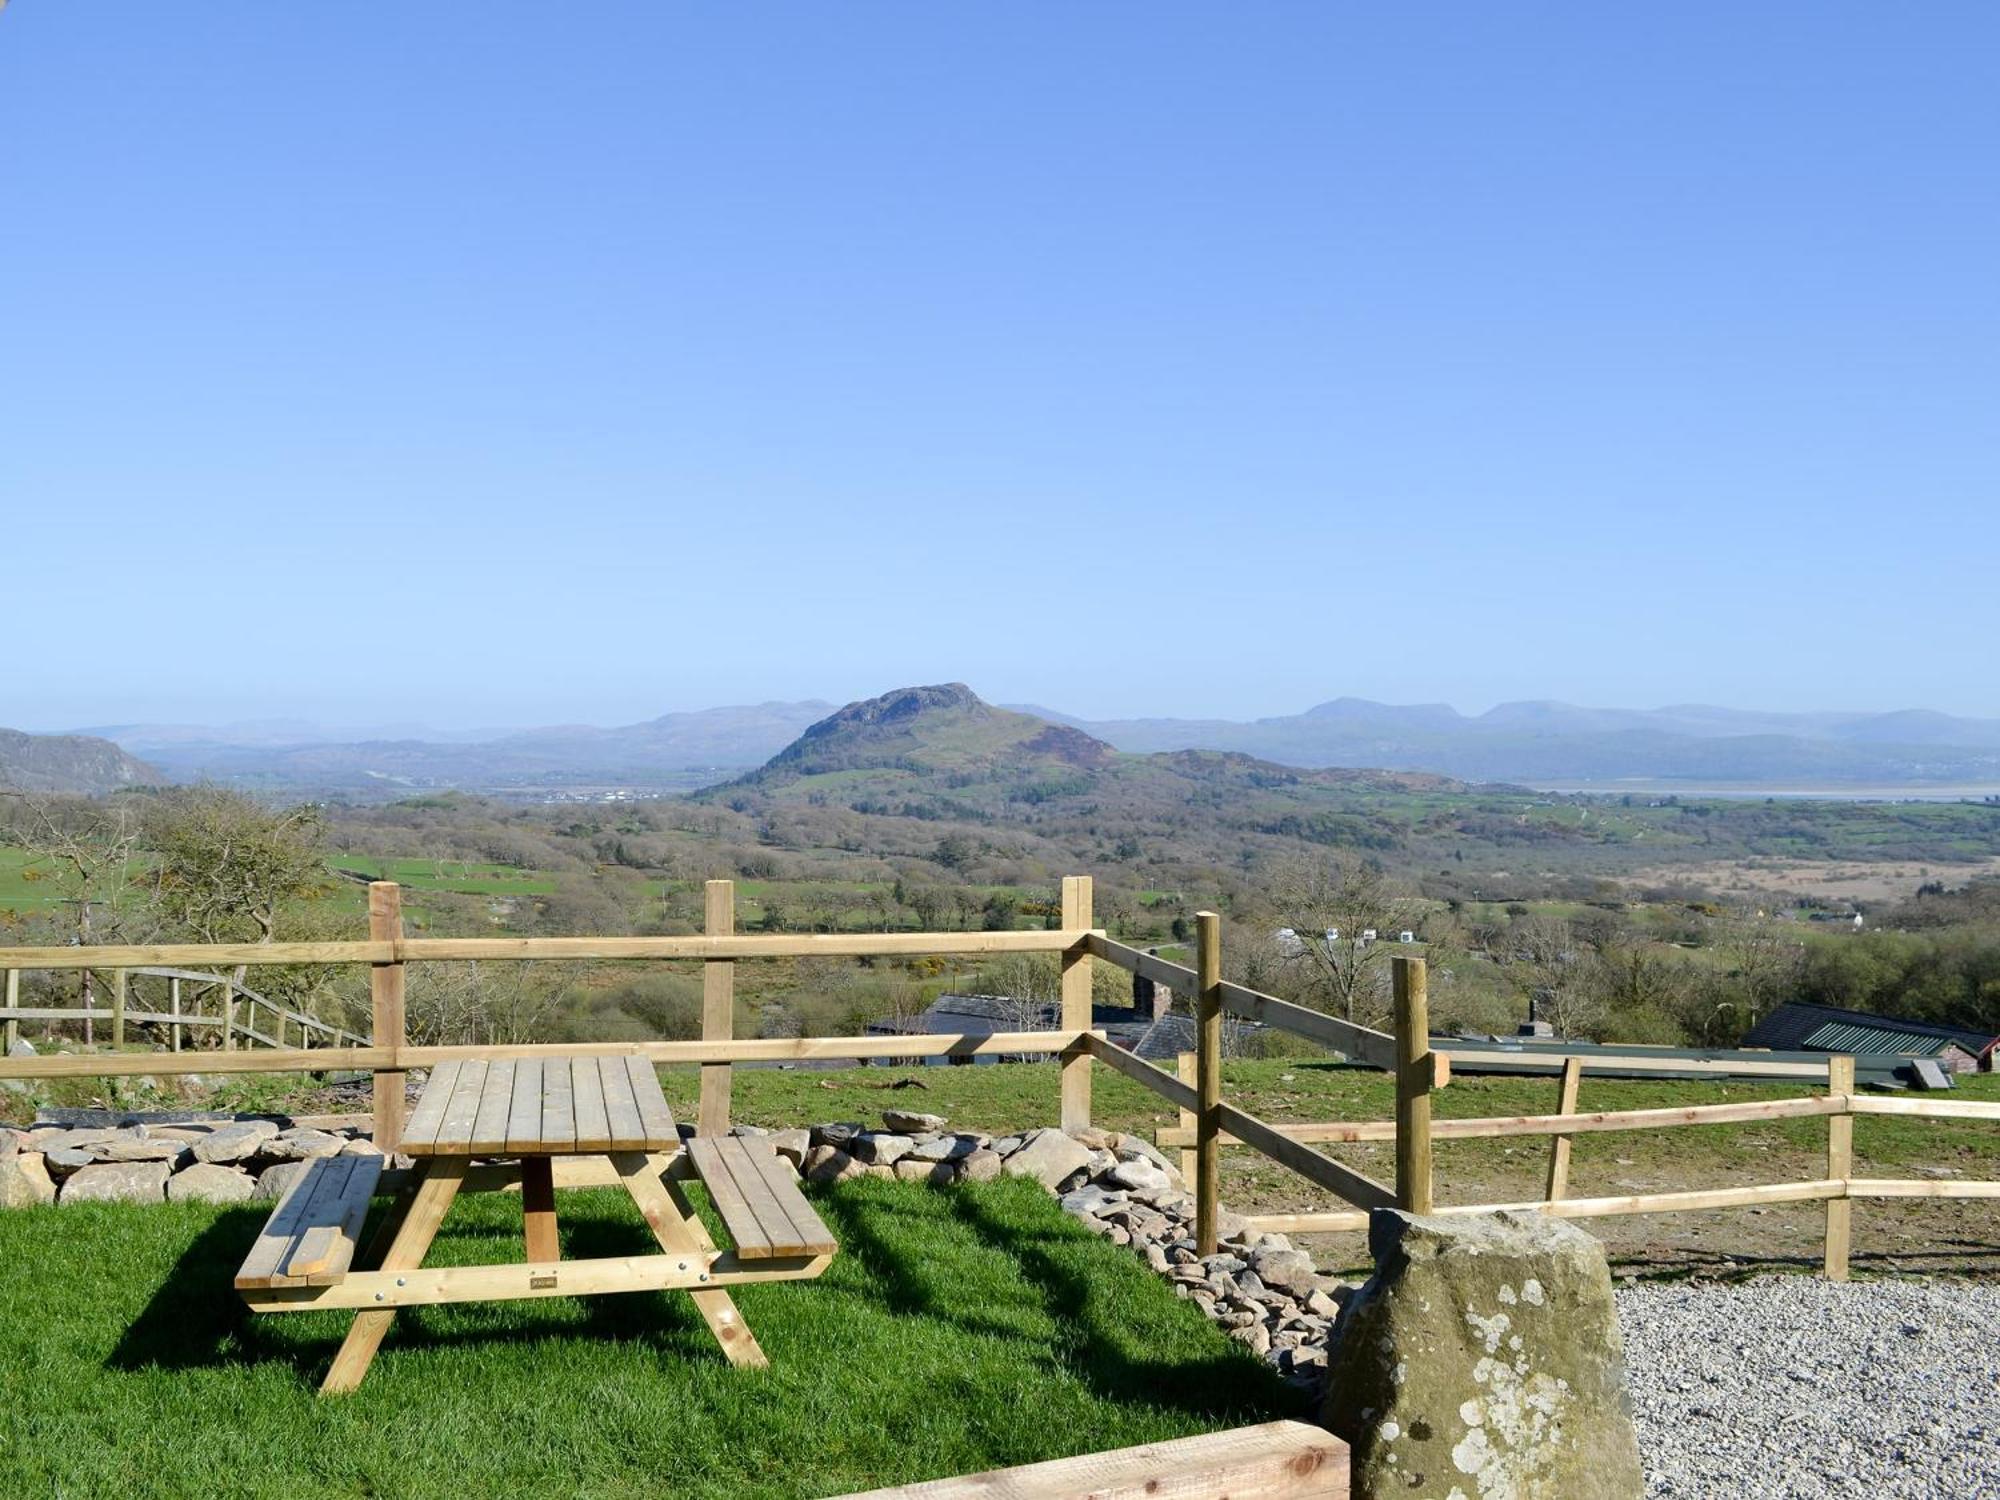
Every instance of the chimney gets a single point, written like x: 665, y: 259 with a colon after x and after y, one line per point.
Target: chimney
x: 1150, y: 999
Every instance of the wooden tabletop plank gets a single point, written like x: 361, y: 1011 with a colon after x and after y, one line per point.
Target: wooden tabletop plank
x: 454, y: 1136
x: 524, y: 1114
x: 586, y: 1088
x: 421, y: 1129
x: 654, y: 1116
x: 558, y: 1129
x: 628, y: 1132
x: 496, y: 1101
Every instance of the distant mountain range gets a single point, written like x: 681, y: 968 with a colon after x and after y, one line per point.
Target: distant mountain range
x: 675, y: 752
x: 1533, y: 743
x: 1553, y: 744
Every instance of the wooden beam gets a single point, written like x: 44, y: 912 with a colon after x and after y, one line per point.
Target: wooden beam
x: 1839, y: 1163
x: 1374, y: 1047
x: 1076, y: 1009
x: 1184, y: 1072
x: 1893, y: 1187
x: 1208, y: 1079
x: 1501, y: 1126
x: 570, y: 1278
x: 437, y: 1187
x: 487, y: 950
x: 1558, y: 1183
x: 1923, y: 1109
x: 386, y: 993
x: 12, y: 1035
x: 1356, y: 1187
x: 1414, y: 1077
x: 1139, y: 1070
x: 353, y: 1059
x: 1574, y: 1208
x: 718, y: 1007
x: 1686, y: 1067
x: 1274, y: 1461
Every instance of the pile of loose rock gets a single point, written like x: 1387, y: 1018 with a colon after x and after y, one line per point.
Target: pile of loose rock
x: 210, y: 1161
x: 1263, y: 1292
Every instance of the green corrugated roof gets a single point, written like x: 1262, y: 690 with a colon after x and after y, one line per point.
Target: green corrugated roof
x: 1875, y: 1041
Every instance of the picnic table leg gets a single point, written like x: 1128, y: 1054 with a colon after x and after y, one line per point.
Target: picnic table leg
x: 538, y: 1209
x: 439, y: 1179
x: 676, y: 1226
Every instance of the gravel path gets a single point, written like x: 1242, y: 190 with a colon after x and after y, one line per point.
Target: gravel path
x: 1793, y: 1388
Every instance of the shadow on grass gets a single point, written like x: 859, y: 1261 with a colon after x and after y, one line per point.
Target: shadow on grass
x: 196, y: 1319
x: 1096, y: 1344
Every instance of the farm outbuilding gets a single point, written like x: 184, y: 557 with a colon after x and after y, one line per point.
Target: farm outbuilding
x: 1802, y: 1026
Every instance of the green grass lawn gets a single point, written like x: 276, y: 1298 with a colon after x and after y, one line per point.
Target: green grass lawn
x: 955, y: 1331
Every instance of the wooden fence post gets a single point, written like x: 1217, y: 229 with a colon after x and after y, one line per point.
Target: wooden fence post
x: 228, y: 1016
x: 718, y: 1007
x: 119, y: 982
x: 1572, y: 1077
x: 1208, y: 1078
x: 385, y: 993
x: 1840, y: 1164
x: 1076, y: 915
x: 1184, y: 1069
x: 13, y: 1033
x: 174, y: 1010
x: 1415, y: 1073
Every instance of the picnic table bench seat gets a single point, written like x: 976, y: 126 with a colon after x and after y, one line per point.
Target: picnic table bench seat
x: 758, y: 1198
x: 310, y: 1238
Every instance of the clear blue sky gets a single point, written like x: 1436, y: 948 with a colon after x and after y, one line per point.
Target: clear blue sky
x: 503, y: 363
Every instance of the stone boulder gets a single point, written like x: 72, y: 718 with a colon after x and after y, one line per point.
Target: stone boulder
x: 118, y: 1182
x: 235, y: 1142
x: 831, y: 1164
x: 25, y: 1181
x: 1483, y: 1358
x: 981, y: 1166
x: 949, y: 1148
x: 1049, y: 1157
x: 273, y: 1181
x: 880, y: 1149
x: 301, y: 1145
x: 792, y: 1145
x: 908, y: 1122
x: 205, y: 1182
x: 146, y: 1148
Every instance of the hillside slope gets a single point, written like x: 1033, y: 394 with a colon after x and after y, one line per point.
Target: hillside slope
x: 68, y: 763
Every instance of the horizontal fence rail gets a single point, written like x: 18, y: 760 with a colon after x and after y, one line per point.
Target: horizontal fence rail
x: 447, y: 950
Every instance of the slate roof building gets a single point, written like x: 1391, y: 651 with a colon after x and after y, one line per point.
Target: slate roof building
x: 1801, y: 1026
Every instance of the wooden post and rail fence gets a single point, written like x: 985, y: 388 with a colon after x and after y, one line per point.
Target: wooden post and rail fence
x: 1207, y: 1122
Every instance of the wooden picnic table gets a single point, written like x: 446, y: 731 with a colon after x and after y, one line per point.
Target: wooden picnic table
x: 604, y: 1120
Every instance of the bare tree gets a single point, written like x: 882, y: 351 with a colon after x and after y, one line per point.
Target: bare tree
x: 1548, y: 965
x: 89, y: 848
x: 1344, y: 915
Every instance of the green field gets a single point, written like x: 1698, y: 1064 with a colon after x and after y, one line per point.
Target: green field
x: 463, y: 877
x: 954, y: 1332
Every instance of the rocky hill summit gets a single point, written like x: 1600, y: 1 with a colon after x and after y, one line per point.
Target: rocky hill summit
x: 944, y: 729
